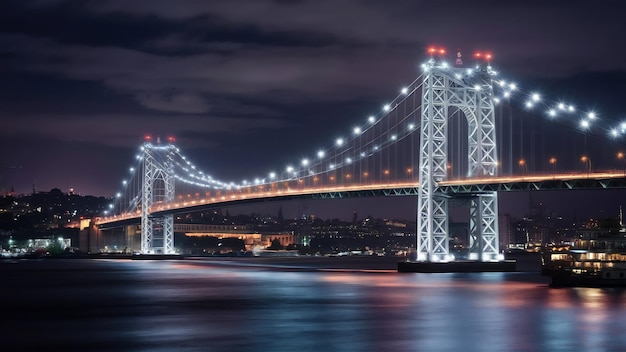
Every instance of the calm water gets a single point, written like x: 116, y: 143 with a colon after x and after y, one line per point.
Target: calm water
x: 197, y: 305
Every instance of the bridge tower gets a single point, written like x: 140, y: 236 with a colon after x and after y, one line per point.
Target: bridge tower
x: 157, y: 232
x: 470, y: 91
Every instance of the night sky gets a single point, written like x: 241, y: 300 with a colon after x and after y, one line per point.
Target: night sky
x: 252, y: 85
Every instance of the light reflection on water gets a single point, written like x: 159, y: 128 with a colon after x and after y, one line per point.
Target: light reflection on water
x: 185, y: 306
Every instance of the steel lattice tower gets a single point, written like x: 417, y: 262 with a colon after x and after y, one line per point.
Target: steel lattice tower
x: 470, y: 91
x: 157, y: 232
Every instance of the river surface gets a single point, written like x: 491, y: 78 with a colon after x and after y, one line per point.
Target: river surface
x: 331, y: 304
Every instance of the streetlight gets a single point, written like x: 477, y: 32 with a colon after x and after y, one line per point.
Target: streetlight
x: 553, y: 163
x: 523, y: 166
x: 620, y: 156
x: 586, y: 159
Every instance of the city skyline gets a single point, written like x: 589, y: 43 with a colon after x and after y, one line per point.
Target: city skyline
x: 84, y: 82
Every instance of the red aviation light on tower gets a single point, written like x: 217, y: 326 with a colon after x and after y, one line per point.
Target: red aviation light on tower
x: 486, y: 56
x: 171, y: 139
x: 434, y: 50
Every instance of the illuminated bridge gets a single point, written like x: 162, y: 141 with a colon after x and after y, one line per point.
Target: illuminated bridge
x: 455, y: 133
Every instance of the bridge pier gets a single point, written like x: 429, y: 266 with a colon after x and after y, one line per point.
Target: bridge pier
x: 457, y: 267
x: 124, y: 239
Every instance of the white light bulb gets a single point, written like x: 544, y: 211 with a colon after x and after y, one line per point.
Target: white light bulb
x: 535, y: 97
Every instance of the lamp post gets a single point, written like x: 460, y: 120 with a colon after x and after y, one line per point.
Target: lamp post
x: 523, y: 166
x: 586, y: 160
x: 553, y: 163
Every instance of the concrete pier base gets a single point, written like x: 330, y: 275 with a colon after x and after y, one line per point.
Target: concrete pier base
x: 457, y: 267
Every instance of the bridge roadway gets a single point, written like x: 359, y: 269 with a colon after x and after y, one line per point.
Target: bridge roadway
x: 454, y: 188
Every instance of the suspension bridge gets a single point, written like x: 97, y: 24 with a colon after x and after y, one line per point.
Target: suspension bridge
x: 454, y: 134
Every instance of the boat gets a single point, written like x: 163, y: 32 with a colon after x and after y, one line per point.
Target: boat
x: 596, y: 259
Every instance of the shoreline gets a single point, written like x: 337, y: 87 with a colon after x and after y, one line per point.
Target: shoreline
x: 525, y: 262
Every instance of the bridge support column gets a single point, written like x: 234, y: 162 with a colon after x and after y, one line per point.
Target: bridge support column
x: 483, y: 229
x: 432, y: 212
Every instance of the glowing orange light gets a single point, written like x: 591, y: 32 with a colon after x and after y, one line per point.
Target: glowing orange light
x: 431, y: 50
x: 171, y: 139
x: 147, y: 137
x: 477, y: 55
x: 488, y: 56
x: 442, y: 51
